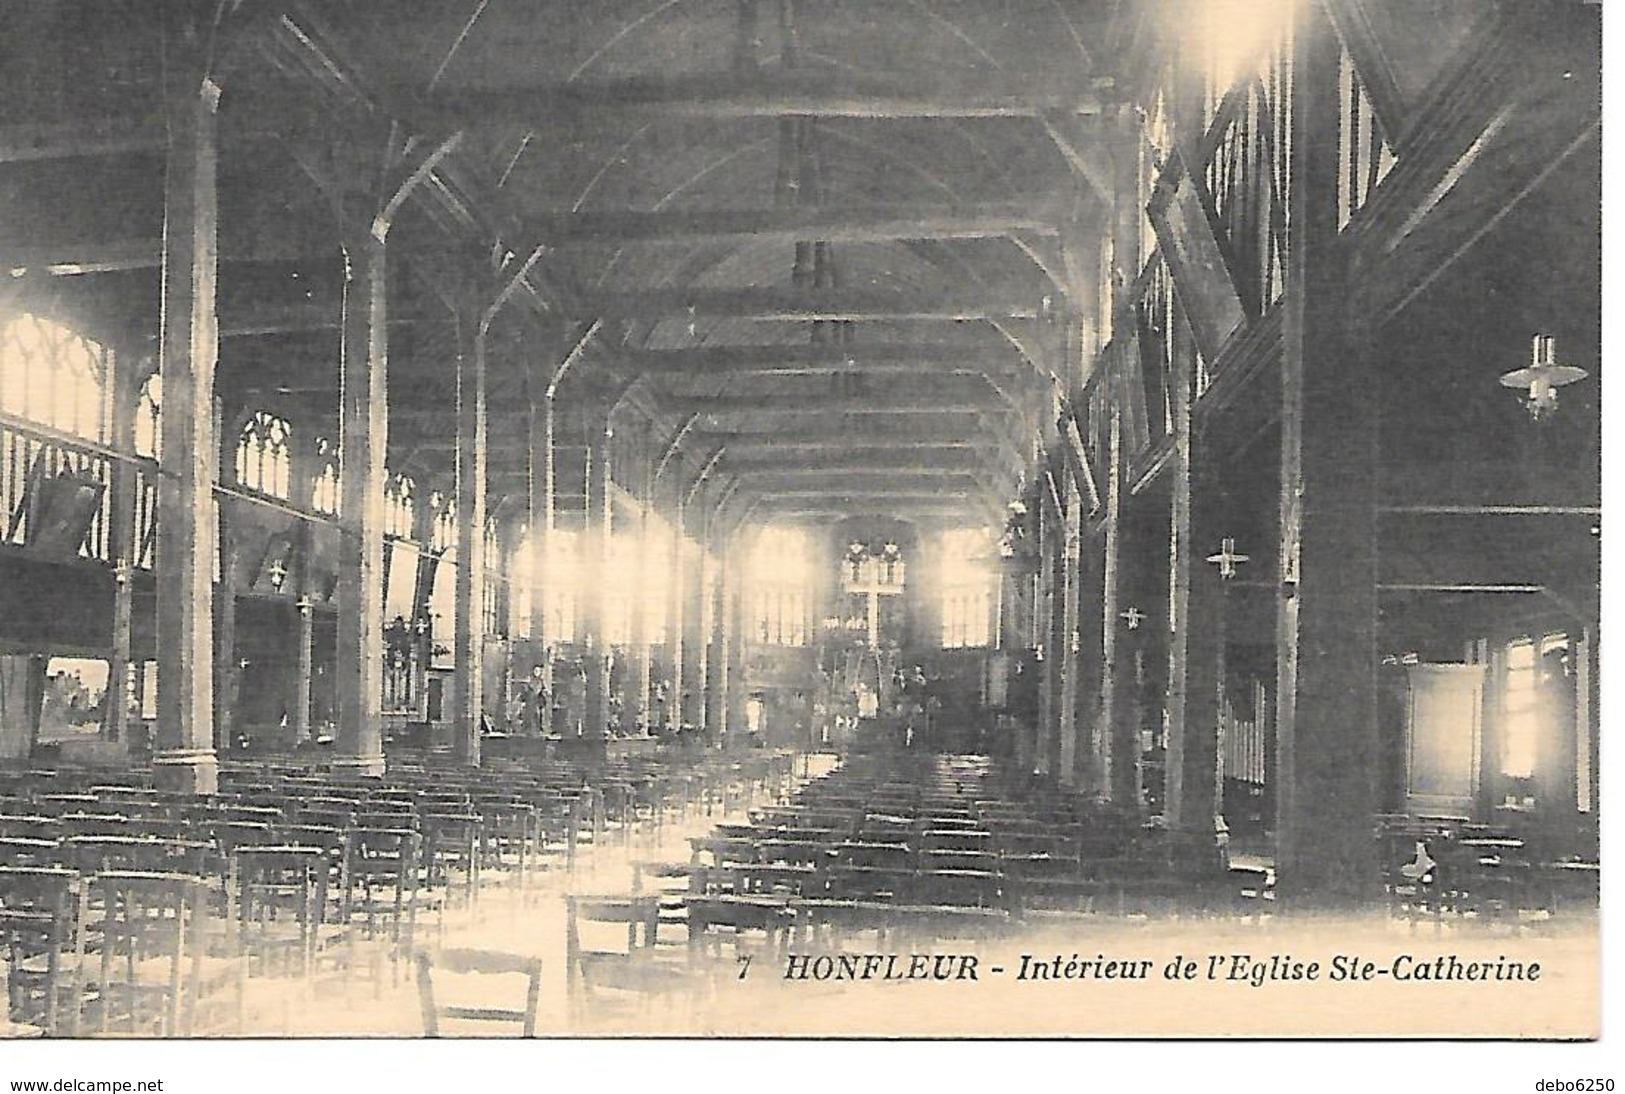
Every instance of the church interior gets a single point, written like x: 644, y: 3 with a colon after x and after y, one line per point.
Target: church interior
x: 582, y: 496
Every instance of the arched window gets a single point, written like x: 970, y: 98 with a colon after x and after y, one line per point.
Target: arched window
x: 149, y: 418
x: 399, y: 507
x: 324, y: 497
x: 54, y: 377
x: 443, y: 532
x: 265, y: 454
x: 780, y: 578
x: 967, y: 583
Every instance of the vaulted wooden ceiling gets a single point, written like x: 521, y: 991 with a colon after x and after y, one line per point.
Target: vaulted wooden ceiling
x: 822, y: 236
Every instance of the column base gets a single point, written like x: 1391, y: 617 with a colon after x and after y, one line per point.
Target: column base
x: 187, y: 770
x: 358, y: 765
x: 1199, y: 850
x: 465, y: 744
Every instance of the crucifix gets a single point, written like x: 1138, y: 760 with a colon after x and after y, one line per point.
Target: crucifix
x: 873, y: 577
x: 1227, y: 559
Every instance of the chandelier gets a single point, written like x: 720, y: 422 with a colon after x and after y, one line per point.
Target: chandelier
x: 1542, y: 377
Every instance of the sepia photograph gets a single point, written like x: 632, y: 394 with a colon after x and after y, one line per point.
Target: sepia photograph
x: 705, y: 520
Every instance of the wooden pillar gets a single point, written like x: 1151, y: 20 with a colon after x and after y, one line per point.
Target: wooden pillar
x: 183, y: 756
x: 1327, y: 746
x: 121, y: 539
x: 595, y: 543
x: 468, y: 641
x: 1056, y: 643
x: 738, y: 629
x: 539, y: 509
x: 1128, y: 214
x: 1588, y: 748
x: 677, y: 614
x: 720, y: 678
x: 1133, y: 547
x: 227, y: 672
x: 1195, y: 660
x: 299, y: 721
x: 696, y: 564
x: 1027, y: 599
x: 635, y: 710
x: 1091, y: 652
x: 115, y: 725
x: 364, y: 411
x: 1111, y: 670
x: 1071, y: 650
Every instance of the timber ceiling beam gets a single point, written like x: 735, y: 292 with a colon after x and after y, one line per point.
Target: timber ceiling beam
x: 798, y: 305
x: 124, y: 255
x: 785, y: 93
x: 848, y: 458
x: 862, y: 431
x: 35, y: 142
x: 835, y: 480
x: 878, y: 492
x: 744, y: 445
x: 797, y: 405
x: 924, y: 484
x: 770, y: 305
x: 816, y: 359
x: 832, y: 224
x: 91, y: 138
x: 789, y: 509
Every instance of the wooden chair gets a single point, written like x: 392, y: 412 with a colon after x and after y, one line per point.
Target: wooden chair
x: 670, y: 883
x: 958, y: 888
x: 598, y: 975
x: 39, y: 910
x: 96, y: 854
x: 452, y: 844
x: 154, y: 969
x: 97, y: 823
x: 20, y: 851
x: 55, y: 805
x: 955, y: 839
x: 748, y: 923
x: 512, y: 837
x: 281, y: 903
x: 335, y: 844
x: 465, y: 962
x: 869, y: 883
x: 26, y: 825
x: 958, y: 860
x: 386, y: 891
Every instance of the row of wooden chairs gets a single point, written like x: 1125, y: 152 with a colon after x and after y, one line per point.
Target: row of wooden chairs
x: 283, y: 871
